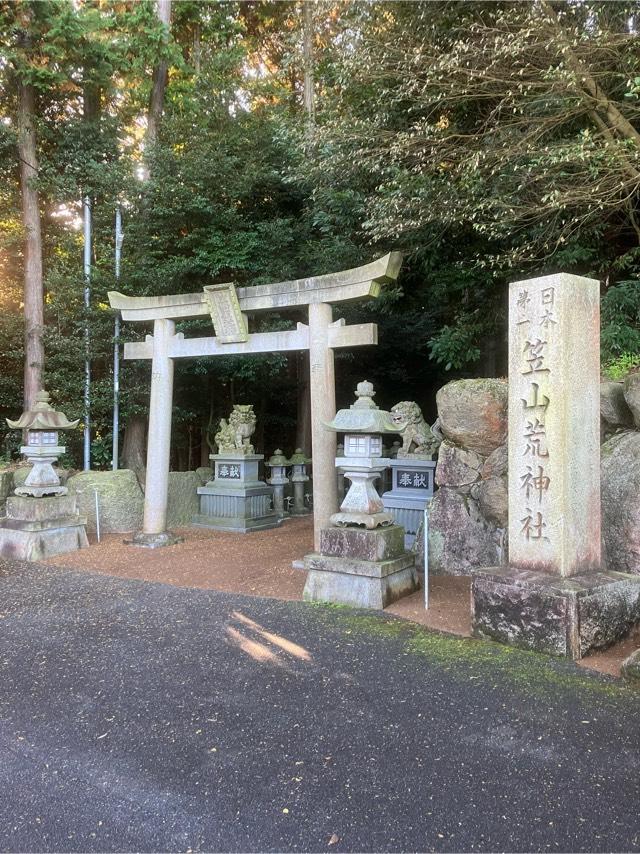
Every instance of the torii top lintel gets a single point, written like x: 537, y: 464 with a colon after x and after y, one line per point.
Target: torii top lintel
x: 358, y: 283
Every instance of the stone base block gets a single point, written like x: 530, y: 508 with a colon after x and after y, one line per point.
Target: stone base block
x: 376, y: 545
x: 22, y: 544
x: 241, y: 508
x: 154, y: 541
x: 40, y: 509
x: 359, y: 583
x: 566, y: 617
x: 237, y: 524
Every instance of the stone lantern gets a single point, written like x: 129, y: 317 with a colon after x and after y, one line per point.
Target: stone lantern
x: 363, y: 425
x: 41, y: 518
x: 362, y: 560
x: 299, y: 477
x: 42, y: 424
x: 278, y: 465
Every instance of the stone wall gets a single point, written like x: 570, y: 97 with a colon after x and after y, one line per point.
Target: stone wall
x: 468, y: 515
x: 120, y: 498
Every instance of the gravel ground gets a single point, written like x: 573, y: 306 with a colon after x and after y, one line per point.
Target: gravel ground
x: 259, y: 564
x: 144, y: 716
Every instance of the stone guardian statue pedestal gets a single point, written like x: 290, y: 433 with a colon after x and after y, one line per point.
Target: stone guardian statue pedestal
x: 236, y: 499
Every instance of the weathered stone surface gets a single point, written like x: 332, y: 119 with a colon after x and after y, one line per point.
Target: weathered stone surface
x: 39, y: 509
x: 182, y: 499
x: 496, y: 464
x: 559, y: 616
x: 620, y: 490
x: 360, y: 584
x: 632, y: 396
x: 371, y: 545
x: 492, y: 496
x: 473, y: 413
x: 630, y: 668
x: 460, y: 540
x: 205, y: 474
x: 457, y: 467
x: 119, y: 496
x: 6, y: 488
x: 41, y: 544
x: 614, y: 412
x: 22, y: 472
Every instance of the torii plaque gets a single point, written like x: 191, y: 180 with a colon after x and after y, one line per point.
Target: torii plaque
x: 228, y: 307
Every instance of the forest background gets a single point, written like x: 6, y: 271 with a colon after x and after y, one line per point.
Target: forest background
x: 262, y: 141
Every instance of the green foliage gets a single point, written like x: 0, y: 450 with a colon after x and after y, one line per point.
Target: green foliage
x: 620, y: 310
x: 618, y: 369
x: 461, y: 133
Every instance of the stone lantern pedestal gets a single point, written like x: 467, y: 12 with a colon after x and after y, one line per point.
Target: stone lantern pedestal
x: 362, y: 560
x: 41, y: 518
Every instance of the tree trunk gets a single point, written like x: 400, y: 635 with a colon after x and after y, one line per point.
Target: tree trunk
x: 33, y: 277
x: 307, y: 54
x: 133, y: 447
x: 303, y: 415
x: 158, y: 87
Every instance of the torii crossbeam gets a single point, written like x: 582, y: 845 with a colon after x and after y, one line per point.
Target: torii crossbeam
x: 228, y: 307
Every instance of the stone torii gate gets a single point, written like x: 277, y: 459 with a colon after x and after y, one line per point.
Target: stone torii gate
x: 228, y: 307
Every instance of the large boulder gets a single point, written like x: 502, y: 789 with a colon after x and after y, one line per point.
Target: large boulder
x: 496, y: 464
x: 620, y: 488
x: 6, y: 488
x: 205, y: 474
x: 492, y: 496
x: 614, y: 411
x: 120, y: 499
x: 182, y: 502
x: 460, y: 540
x: 630, y: 667
x: 473, y: 413
x: 457, y: 467
x: 632, y: 395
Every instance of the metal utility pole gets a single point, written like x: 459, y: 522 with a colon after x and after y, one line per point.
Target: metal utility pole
x: 116, y: 349
x: 87, y: 338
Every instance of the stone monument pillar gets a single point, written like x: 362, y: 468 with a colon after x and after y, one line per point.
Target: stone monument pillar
x: 361, y: 560
x: 554, y: 596
x: 41, y: 519
x: 236, y: 499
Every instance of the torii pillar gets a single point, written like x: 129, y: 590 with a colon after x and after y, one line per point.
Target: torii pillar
x: 228, y: 307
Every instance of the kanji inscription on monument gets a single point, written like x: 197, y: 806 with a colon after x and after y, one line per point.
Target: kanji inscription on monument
x: 554, y: 442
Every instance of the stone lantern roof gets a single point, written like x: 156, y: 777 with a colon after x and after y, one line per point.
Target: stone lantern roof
x: 363, y: 416
x: 299, y: 458
x: 278, y: 459
x: 42, y: 417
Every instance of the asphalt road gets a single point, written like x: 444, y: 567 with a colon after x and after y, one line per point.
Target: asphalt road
x: 137, y: 716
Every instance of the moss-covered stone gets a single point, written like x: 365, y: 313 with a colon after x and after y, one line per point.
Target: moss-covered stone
x: 120, y: 499
x: 182, y: 500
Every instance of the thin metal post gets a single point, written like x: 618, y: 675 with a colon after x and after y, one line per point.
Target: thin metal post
x: 425, y: 527
x: 116, y: 349
x: 87, y: 337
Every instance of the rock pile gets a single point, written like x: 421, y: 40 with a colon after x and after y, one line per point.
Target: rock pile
x: 469, y: 513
